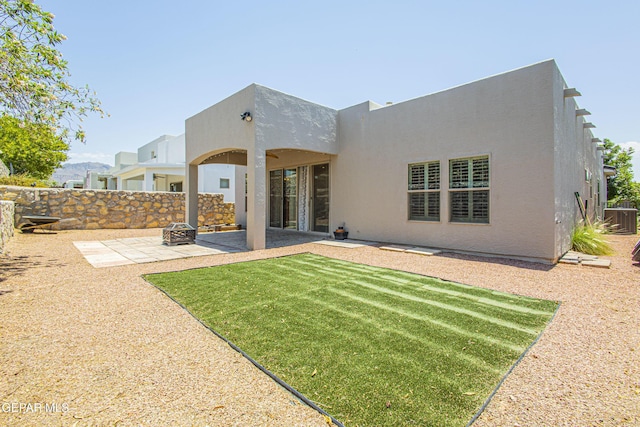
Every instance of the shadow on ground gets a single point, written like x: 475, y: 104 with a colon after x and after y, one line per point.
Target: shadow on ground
x: 13, y: 266
x: 274, y: 238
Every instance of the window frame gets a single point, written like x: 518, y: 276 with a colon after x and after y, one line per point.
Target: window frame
x: 428, y: 188
x: 228, y: 181
x: 478, y: 191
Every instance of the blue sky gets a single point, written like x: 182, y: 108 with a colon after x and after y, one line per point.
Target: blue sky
x: 156, y: 63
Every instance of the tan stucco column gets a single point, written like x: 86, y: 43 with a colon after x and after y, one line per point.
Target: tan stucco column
x: 256, y: 198
x: 191, y: 195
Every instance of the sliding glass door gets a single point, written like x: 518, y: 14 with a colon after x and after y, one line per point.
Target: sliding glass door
x: 290, y: 186
x: 283, y: 198
x: 291, y: 194
x: 275, y: 198
x: 320, y: 194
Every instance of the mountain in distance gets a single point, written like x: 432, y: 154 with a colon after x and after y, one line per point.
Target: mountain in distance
x: 70, y: 171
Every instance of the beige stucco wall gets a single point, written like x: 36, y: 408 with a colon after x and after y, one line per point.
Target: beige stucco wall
x: 574, y: 152
x: 537, y: 149
x: 216, y: 130
x: 508, y: 117
x: 285, y: 122
x: 279, y: 121
x: 219, y: 128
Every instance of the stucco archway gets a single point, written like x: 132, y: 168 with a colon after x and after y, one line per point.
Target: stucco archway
x: 280, y: 123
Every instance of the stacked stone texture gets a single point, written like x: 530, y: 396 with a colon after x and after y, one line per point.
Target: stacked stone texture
x: 97, y: 209
x: 6, y: 222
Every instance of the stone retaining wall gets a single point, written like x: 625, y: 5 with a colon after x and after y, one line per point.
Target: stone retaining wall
x: 4, y: 170
x: 93, y: 209
x: 6, y: 222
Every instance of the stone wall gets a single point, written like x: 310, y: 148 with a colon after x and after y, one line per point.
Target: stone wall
x: 6, y: 222
x: 93, y: 209
x: 4, y: 170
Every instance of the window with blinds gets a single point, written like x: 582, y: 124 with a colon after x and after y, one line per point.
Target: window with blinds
x: 424, y: 191
x: 469, y: 190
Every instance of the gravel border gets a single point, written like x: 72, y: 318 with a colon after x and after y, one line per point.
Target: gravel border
x: 109, y: 349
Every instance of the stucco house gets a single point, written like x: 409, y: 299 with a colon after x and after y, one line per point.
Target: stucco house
x: 95, y: 180
x: 493, y: 166
x: 160, y: 166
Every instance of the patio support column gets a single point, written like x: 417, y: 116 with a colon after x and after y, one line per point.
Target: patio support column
x: 256, y: 198
x: 148, y: 181
x: 191, y: 196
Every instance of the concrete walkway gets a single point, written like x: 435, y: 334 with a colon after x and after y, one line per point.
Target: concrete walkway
x: 139, y: 250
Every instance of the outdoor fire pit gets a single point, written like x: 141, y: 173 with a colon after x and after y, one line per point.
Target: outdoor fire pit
x: 178, y: 233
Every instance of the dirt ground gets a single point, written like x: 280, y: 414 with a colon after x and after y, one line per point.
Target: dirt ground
x: 86, y: 346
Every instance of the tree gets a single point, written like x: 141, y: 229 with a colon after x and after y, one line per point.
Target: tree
x: 34, y: 84
x: 31, y: 148
x: 621, y: 186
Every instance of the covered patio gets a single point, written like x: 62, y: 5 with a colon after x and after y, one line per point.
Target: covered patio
x: 287, y: 144
x: 151, y: 177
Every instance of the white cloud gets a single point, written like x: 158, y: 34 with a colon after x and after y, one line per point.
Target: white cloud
x: 633, y: 144
x: 635, y: 162
x: 90, y: 157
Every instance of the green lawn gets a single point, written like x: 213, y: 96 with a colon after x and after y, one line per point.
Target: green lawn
x: 371, y: 346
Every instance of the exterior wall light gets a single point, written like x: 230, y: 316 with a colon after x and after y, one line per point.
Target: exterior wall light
x: 246, y: 116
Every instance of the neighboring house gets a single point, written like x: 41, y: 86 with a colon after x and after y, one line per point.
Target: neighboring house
x: 160, y: 166
x: 488, y: 167
x: 100, y: 180
x: 73, y: 183
x: 107, y: 180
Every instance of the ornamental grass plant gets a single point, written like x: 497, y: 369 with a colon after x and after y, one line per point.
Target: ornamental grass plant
x: 590, y: 238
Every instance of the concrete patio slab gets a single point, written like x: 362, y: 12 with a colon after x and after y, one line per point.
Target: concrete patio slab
x: 423, y: 251
x: 411, y: 249
x: 99, y: 255
x: 139, y: 250
x: 599, y: 263
x: 343, y: 244
x: 395, y: 248
x: 573, y: 257
x: 569, y: 260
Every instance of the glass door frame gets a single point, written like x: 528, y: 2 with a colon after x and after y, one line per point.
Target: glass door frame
x: 310, y: 222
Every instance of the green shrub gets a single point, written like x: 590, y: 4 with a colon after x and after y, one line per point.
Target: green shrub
x: 589, y: 239
x: 23, y: 181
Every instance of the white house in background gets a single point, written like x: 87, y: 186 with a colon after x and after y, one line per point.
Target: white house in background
x: 160, y: 166
x: 106, y: 180
x: 494, y: 166
x: 73, y: 183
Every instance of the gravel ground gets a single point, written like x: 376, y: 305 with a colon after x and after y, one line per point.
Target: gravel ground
x: 109, y: 349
